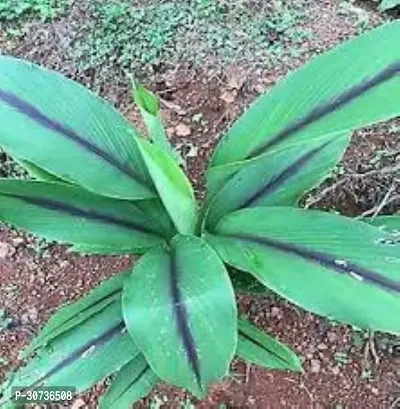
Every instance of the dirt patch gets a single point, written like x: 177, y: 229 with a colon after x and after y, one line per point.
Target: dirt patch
x: 197, y: 105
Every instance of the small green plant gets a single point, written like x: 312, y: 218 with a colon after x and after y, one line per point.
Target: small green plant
x: 13, y: 10
x: 103, y: 188
x: 135, y: 36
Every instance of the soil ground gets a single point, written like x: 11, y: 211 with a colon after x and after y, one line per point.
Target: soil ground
x: 340, y: 369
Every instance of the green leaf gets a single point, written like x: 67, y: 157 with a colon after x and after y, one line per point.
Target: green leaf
x: 180, y: 309
x: 73, y: 314
x: 279, y: 178
x: 145, y: 100
x: 351, y: 86
x: 61, y: 127
x: 80, y: 357
x: 133, y: 382
x: 328, y: 264
x: 39, y: 173
x: 173, y: 187
x: 390, y: 224
x: 155, y: 209
x: 255, y: 346
x: 150, y: 110
x: 69, y: 214
x: 389, y: 4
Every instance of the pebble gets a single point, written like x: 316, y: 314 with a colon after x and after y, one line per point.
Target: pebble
x: 375, y: 391
x: 229, y: 97
x: 332, y: 337
x: 30, y: 316
x: 315, y: 365
x: 335, y: 370
x: 79, y: 403
x: 6, y: 250
x: 182, y: 130
x: 275, y: 312
x: 18, y: 241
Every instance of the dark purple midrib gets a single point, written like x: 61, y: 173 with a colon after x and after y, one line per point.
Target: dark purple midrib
x: 325, y: 260
x: 259, y: 344
x: 70, y: 359
x: 55, y: 205
x: 328, y: 107
x: 278, y: 180
x: 182, y: 319
x: 27, y: 109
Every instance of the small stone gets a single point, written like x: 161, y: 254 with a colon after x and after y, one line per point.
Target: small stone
x: 322, y: 346
x: 259, y: 88
x: 228, y: 96
x: 6, y: 250
x: 77, y: 404
x: 375, y: 391
x: 315, y: 366
x: 236, y: 77
x: 311, y: 349
x: 253, y: 309
x: 332, y: 337
x: 335, y: 370
x: 18, y: 241
x: 30, y: 316
x: 275, y: 312
x: 182, y: 130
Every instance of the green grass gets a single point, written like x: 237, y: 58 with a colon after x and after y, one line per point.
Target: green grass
x: 134, y: 37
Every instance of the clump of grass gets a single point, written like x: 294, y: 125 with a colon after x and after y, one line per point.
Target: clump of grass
x: 134, y: 37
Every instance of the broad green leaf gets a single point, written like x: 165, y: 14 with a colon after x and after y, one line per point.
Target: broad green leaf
x: 280, y: 178
x: 180, y: 309
x: 133, y: 382
x: 66, y: 130
x: 173, y: 187
x: 73, y: 314
x: 150, y: 110
x: 331, y: 265
x: 389, y: 4
x: 256, y: 346
x: 390, y: 224
x: 155, y: 209
x: 69, y: 214
x: 81, y: 356
x: 351, y: 86
x: 39, y: 173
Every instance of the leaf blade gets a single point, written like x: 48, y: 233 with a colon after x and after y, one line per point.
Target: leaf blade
x: 133, y: 382
x: 258, y: 347
x: 57, y: 130
x: 309, y: 103
x: 94, y: 349
x: 319, y: 263
x: 174, y: 188
x: 149, y: 107
x: 186, y: 285
x: 69, y: 214
x: 73, y: 314
x: 279, y: 178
